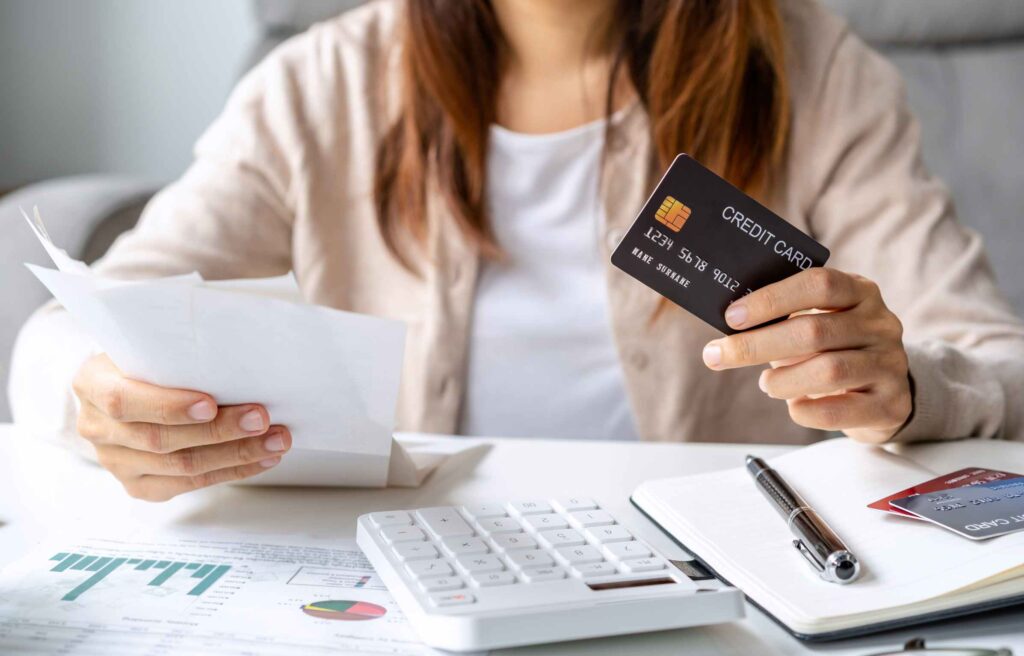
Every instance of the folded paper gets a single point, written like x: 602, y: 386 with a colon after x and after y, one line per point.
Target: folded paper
x: 330, y: 376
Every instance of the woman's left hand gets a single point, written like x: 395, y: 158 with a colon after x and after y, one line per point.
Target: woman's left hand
x: 840, y: 367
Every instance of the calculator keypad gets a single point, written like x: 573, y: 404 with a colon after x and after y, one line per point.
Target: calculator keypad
x: 484, y: 563
x: 543, y: 574
x: 403, y: 534
x: 440, y: 583
x: 626, y: 550
x: 545, y: 521
x: 444, y: 522
x: 529, y: 507
x: 415, y: 550
x: 485, y: 510
x: 581, y: 554
x: 446, y: 551
x: 513, y: 541
x: 463, y: 545
x: 563, y: 537
x: 453, y: 599
x: 493, y: 525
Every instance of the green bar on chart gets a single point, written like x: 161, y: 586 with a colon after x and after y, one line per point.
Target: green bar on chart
x: 210, y: 579
x: 146, y: 564
x: 192, y: 566
x: 61, y: 556
x: 202, y: 571
x: 95, y: 578
x: 162, y: 564
x: 162, y: 577
x: 98, y: 564
x: 68, y: 561
x: 134, y: 561
x: 83, y: 563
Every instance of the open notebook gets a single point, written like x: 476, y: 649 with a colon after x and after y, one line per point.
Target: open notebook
x: 913, y: 571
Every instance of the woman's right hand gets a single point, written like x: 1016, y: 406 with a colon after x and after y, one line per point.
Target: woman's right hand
x: 161, y: 442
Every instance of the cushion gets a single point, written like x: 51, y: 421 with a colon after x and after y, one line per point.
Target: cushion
x: 910, y: 22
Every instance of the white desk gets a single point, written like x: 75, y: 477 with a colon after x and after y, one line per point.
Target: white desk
x: 45, y: 491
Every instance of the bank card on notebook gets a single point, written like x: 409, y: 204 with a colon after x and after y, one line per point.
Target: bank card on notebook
x: 976, y: 512
x: 960, y: 478
x: 702, y: 243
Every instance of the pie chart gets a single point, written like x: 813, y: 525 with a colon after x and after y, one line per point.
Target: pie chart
x: 349, y: 611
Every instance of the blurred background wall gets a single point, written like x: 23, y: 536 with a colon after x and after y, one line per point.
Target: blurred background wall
x: 113, y: 86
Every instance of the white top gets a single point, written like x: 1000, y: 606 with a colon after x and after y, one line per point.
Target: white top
x: 541, y: 357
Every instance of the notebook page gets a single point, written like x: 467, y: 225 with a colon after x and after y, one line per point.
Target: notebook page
x: 903, y: 561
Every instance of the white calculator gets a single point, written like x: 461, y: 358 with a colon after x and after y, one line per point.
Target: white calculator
x: 493, y: 575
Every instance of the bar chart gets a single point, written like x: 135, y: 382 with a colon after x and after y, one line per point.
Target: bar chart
x: 103, y: 566
x: 199, y: 591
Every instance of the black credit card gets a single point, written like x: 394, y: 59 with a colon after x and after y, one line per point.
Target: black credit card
x: 702, y: 243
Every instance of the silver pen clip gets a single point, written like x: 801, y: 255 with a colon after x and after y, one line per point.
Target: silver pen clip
x: 809, y: 555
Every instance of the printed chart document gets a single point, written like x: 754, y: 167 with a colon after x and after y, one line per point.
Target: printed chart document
x: 331, y: 376
x: 199, y: 593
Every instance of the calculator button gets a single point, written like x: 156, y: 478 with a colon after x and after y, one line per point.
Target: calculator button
x: 462, y: 545
x: 583, y: 554
x: 488, y: 579
x: 444, y: 522
x: 613, y: 533
x: 530, y: 559
x: 500, y: 525
x: 561, y: 537
x: 642, y: 565
x: 569, y: 504
x: 543, y: 574
x: 397, y: 518
x: 513, y: 541
x: 435, y: 567
x: 475, y: 564
x: 403, y: 534
x: 541, y: 522
x: 624, y: 550
x: 452, y: 599
x: 485, y: 510
x: 441, y: 583
x: 587, y: 518
x: 415, y: 551
x: 530, y: 507
x: 594, y: 569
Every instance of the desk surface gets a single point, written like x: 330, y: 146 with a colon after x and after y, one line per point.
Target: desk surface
x: 45, y: 491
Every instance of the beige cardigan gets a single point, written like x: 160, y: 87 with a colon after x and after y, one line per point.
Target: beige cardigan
x: 282, y: 181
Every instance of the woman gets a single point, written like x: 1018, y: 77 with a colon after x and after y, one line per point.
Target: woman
x: 468, y: 166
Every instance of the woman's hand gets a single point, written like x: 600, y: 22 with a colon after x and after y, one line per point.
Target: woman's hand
x: 842, y: 367
x: 160, y: 442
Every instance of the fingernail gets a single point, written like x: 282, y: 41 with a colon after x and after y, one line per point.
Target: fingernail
x: 202, y: 411
x: 761, y: 383
x: 712, y: 355
x: 275, y: 443
x: 736, y: 315
x: 270, y: 462
x: 251, y: 421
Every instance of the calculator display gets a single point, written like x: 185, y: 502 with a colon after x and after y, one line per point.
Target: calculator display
x: 635, y: 583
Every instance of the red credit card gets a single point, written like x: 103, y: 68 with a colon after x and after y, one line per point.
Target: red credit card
x: 960, y: 478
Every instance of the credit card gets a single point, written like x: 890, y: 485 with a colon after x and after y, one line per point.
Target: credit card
x: 977, y: 512
x: 702, y: 243
x: 960, y: 478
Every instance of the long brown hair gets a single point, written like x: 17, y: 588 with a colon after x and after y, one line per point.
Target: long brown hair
x: 710, y: 74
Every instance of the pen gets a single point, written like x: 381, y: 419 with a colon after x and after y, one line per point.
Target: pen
x: 818, y: 543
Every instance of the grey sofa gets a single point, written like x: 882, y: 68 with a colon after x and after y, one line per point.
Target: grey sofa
x: 963, y: 61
